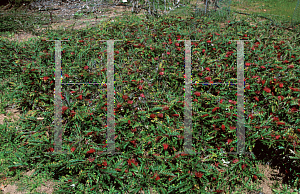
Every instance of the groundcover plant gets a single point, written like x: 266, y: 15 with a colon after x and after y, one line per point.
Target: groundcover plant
x: 149, y: 106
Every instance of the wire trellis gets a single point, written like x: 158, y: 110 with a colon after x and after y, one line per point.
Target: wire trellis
x: 211, y: 6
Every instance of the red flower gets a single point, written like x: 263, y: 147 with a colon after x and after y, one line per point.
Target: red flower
x: 175, y: 115
x: 208, y: 41
x: 280, y: 98
x: 229, y: 141
x: 157, y: 178
x: 134, y: 143
x: 204, y: 115
x: 235, y: 161
x: 133, y: 130
x: 294, y: 89
x: 165, y: 146
x: 160, y: 115
x: 198, y: 174
x: 104, y: 163
x: 64, y: 108
x: 79, y: 97
x: 280, y: 123
x: 255, y: 177
x: 281, y: 85
x: 208, y: 78
x: 152, y: 116
x: 207, y: 68
x: 73, y: 149
x: 140, y: 87
x: 197, y: 93
x: 45, y: 78
x: 168, y: 53
x: 268, y: 90
x: 129, y: 101
x: 166, y: 108
x: 277, y: 136
x: 91, y: 159
x: 72, y: 113
x: 86, y: 67
x: 118, y: 169
x: 161, y: 73
x: 291, y: 66
x: 223, y: 127
x: 215, y: 109
x: 221, y: 101
x: 243, y: 166
x: 66, y: 75
x: 233, y: 102
x: 125, y: 97
x: 256, y: 99
x: 132, y: 161
x: 129, y: 122
x: 51, y: 149
x: 90, y: 151
x: 81, y: 40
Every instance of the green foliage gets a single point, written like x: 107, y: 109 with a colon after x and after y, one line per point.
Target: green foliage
x: 147, y: 157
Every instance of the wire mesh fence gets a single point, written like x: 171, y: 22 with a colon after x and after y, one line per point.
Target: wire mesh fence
x: 210, y: 7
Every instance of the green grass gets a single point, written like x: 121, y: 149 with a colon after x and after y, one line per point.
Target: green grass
x: 282, y: 10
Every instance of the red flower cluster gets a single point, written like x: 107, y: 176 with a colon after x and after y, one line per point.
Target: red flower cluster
x: 268, y: 90
x: 79, y: 97
x: 235, y: 161
x: 243, y: 166
x: 90, y: 151
x: 160, y: 115
x: 215, y: 109
x: 165, y: 146
x: 130, y: 161
x: 64, y: 108
x: 198, y: 174
x: 197, y: 93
